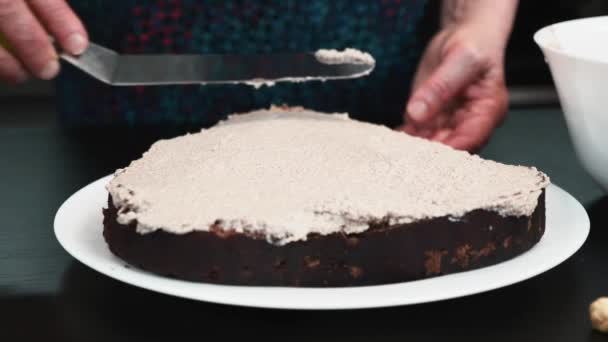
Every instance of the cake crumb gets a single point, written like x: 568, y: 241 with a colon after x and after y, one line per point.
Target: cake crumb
x: 485, y: 251
x: 311, y: 262
x: 433, y: 261
x: 507, y: 242
x: 461, y: 256
x: 598, y: 312
x: 355, y: 271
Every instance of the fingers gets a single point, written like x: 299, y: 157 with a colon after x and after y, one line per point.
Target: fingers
x: 468, y: 122
x: 10, y: 69
x: 441, y: 135
x: 473, y: 126
x: 458, y: 69
x: 409, y: 129
x: 29, y: 41
x: 62, y: 24
x: 496, y: 96
x: 472, y: 122
x: 26, y: 26
x: 416, y: 132
x: 472, y: 134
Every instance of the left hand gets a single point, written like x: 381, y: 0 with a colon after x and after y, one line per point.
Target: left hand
x: 459, y: 94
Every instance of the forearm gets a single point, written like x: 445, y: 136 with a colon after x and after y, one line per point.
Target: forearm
x: 494, y: 17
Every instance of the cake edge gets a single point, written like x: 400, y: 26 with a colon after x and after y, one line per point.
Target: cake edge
x: 383, y: 254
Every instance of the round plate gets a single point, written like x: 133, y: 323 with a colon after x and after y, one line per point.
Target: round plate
x: 78, y: 227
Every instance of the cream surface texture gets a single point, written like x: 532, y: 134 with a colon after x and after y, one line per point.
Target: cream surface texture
x: 346, y: 56
x: 287, y: 172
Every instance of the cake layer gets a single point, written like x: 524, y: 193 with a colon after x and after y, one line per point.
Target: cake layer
x: 288, y: 174
x: 379, y: 255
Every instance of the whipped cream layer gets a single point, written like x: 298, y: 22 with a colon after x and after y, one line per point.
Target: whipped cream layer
x: 346, y: 56
x: 285, y: 173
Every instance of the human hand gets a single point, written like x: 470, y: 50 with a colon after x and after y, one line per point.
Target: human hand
x: 459, y: 94
x: 25, y: 26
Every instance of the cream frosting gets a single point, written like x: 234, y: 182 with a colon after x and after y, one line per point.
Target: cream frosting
x: 326, y: 56
x: 346, y: 56
x: 259, y: 83
x: 286, y: 173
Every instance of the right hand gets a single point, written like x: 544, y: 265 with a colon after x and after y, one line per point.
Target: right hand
x: 25, y: 26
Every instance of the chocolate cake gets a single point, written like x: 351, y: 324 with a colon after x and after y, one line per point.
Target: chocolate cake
x: 292, y: 197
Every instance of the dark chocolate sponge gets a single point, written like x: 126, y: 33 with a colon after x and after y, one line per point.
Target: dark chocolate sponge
x: 383, y: 254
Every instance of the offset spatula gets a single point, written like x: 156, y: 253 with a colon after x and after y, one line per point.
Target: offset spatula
x: 128, y: 70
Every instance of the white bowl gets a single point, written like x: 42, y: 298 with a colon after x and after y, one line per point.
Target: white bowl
x: 577, y: 54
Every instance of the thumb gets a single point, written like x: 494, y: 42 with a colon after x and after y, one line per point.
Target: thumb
x: 457, y: 69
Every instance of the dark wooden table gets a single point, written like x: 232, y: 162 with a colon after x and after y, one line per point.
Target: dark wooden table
x: 46, y: 295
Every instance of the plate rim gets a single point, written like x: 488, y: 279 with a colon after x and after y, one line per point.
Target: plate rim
x: 149, y: 281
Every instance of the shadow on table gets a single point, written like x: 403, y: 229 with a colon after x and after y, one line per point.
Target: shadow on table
x: 598, y: 215
x: 28, y: 318
x: 96, y: 152
x: 98, y: 308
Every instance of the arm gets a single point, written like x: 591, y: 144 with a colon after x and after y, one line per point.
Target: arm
x: 459, y: 93
x: 494, y: 14
x: 492, y: 19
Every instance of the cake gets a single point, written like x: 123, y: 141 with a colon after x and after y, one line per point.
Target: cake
x: 293, y: 197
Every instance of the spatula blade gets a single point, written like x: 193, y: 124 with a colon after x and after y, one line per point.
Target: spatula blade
x: 128, y: 70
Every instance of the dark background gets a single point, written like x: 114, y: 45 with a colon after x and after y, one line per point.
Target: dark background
x: 524, y: 62
x: 528, y: 78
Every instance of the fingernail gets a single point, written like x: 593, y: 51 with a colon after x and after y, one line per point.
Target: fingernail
x: 76, y: 44
x: 50, y: 70
x: 417, y: 110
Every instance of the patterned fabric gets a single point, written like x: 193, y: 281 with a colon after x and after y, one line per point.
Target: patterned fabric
x: 388, y: 29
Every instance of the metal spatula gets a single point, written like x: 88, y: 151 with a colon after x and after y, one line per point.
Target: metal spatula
x: 128, y: 70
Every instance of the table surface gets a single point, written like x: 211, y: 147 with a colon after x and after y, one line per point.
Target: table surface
x: 47, y: 295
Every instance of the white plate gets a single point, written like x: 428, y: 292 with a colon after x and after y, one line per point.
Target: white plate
x: 78, y: 227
